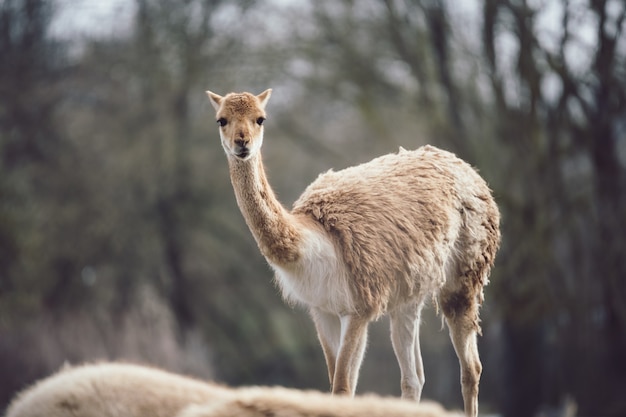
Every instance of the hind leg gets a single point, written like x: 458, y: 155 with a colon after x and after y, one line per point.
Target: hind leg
x: 461, y: 311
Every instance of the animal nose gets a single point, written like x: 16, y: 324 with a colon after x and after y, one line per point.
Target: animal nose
x: 241, y: 142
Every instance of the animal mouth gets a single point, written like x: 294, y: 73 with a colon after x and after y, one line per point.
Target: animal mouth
x: 242, y: 152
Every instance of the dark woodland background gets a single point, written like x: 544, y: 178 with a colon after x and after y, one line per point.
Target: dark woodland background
x: 120, y: 238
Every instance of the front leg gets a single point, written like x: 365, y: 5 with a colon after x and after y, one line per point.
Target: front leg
x: 328, y: 329
x: 405, y: 321
x: 350, y: 356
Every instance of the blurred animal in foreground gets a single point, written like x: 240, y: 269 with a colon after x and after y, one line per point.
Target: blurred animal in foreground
x: 383, y: 236
x: 124, y: 390
x: 112, y: 389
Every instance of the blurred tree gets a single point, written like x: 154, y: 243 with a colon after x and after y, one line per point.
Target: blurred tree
x: 28, y: 136
x: 571, y: 200
x: 31, y: 149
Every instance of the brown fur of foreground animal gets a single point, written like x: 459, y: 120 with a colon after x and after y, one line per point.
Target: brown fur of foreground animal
x: 123, y: 390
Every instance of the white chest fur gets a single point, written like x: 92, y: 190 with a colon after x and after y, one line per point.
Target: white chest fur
x: 319, y: 279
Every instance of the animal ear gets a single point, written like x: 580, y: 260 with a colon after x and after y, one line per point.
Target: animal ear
x: 215, y: 99
x: 264, y: 97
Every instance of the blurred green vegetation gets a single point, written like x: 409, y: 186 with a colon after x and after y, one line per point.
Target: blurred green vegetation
x: 120, y: 237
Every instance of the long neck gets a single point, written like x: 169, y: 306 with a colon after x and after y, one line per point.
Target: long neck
x: 274, y: 228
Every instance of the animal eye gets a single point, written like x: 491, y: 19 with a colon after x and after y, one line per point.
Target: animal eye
x: 260, y: 120
x: 222, y: 122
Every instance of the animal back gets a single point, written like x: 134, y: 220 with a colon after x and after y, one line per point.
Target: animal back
x: 394, y: 220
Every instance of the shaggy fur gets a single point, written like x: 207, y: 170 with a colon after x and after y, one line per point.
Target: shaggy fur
x: 383, y: 236
x: 123, y: 390
x: 112, y: 390
x: 419, y: 212
x: 282, y: 402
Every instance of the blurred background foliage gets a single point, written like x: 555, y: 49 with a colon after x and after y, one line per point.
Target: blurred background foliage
x: 120, y: 237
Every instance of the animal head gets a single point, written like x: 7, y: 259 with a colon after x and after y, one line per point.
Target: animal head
x: 240, y: 117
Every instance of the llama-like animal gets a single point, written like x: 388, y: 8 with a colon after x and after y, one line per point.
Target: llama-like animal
x: 383, y: 236
x: 125, y: 390
x: 113, y: 390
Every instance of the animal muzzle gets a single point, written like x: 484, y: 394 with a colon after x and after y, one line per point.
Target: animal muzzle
x: 241, y: 149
